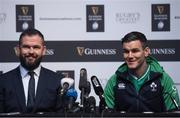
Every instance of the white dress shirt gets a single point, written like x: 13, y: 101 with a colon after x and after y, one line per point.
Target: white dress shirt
x: 26, y: 77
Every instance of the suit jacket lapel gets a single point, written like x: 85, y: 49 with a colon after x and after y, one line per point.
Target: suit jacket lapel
x: 19, y: 89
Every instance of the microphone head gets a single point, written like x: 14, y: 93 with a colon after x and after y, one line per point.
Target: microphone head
x: 97, y: 86
x: 68, y: 81
x: 72, y: 93
x: 83, y: 79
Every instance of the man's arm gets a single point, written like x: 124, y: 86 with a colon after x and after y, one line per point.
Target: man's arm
x: 1, y: 96
x: 170, y: 93
x: 109, y: 92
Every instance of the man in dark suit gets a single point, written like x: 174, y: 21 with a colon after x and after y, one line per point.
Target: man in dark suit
x: 30, y: 88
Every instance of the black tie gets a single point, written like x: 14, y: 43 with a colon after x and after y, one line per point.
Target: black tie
x: 31, y: 92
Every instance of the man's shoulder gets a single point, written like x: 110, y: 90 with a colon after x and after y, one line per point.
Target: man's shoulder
x: 49, y: 72
x: 10, y: 73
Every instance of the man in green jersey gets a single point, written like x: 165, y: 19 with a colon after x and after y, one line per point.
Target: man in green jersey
x: 140, y: 84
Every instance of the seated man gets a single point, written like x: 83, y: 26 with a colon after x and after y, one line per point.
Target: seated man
x: 30, y: 88
x: 140, y: 84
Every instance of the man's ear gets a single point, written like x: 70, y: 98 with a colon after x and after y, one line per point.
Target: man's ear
x: 16, y: 50
x: 44, y: 50
x: 147, y: 51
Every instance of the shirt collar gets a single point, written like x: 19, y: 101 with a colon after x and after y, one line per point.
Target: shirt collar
x: 146, y: 72
x: 24, y: 71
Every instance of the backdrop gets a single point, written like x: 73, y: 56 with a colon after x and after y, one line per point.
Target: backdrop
x: 87, y: 33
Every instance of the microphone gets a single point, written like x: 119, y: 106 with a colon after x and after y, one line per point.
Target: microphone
x: 83, y: 84
x: 71, y: 96
x: 87, y: 89
x: 83, y: 79
x: 99, y: 91
x: 97, y: 86
x: 85, y: 94
x: 66, y: 83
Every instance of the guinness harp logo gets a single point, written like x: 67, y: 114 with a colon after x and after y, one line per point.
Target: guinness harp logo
x: 80, y: 50
x: 95, y: 10
x: 24, y: 17
x: 160, y: 9
x: 24, y: 10
x: 95, y: 18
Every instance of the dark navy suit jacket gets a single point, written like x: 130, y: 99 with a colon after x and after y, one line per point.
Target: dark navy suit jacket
x: 12, y: 98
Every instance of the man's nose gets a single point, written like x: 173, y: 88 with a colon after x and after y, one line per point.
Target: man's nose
x: 130, y: 54
x: 31, y: 50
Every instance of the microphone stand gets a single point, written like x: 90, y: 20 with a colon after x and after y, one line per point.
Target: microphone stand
x: 82, y: 100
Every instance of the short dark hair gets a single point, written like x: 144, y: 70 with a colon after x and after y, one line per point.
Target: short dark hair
x: 132, y: 36
x: 30, y: 32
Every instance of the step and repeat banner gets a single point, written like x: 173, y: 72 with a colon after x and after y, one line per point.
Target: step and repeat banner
x: 87, y: 34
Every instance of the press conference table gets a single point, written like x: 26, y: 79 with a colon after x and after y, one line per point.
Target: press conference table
x: 90, y: 115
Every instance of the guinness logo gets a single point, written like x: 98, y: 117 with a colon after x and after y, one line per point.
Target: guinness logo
x: 160, y: 9
x: 80, y: 50
x: 160, y: 17
x: 95, y: 10
x: 95, y: 18
x: 24, y: 10
x: 24, y: 17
